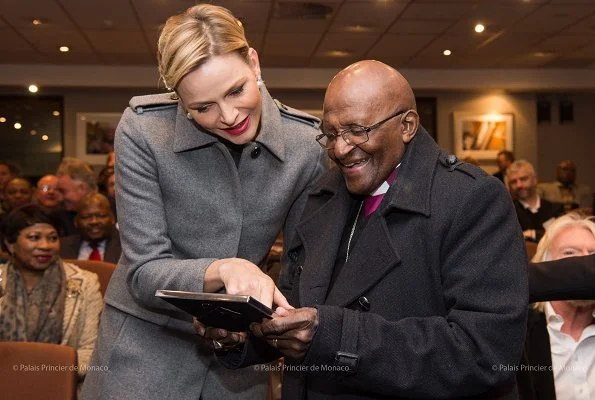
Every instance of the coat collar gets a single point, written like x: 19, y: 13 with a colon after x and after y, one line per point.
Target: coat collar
x: 188, y: 135
x: 374, y: 254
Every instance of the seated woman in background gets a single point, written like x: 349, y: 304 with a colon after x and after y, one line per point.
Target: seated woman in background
x: 44, y: 299
x: 559, y: 360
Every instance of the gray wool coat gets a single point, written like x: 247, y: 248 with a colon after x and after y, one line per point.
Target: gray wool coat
x: 183, y: 204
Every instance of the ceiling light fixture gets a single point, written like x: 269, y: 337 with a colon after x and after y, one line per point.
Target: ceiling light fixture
x: 33, y: 88
x: 36, y: 21
x: 479, y: 28
x: 338, y: 53
x: 33, y: 132
x: 45, y: 137
x: 64, y: 49
x: 17, y: 125
x: 2, y: 119
x: 447, y: 52
x: 358, y: 28
x: 56, y: 113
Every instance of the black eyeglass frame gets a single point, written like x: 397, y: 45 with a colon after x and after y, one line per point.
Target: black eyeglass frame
x: 349, y: 131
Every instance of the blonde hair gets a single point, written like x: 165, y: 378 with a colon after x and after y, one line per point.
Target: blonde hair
x: 572, y: 219
x: 190, y: 38
x: 78, y: 170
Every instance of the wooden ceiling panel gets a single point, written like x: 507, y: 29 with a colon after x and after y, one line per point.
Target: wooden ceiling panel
x: 107, y: 14
x: 420, y: 26
x: 436, y: 10
x: 403, y: 45
x: 356, y: 44
x: 290, y: 44
x: 20, y: 13
x: 118, y: 42
x: 371, y: 16
x: 554, y: 18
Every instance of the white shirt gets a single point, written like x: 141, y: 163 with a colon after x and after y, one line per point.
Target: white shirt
x: 573, y: 362
x: 86, y: 249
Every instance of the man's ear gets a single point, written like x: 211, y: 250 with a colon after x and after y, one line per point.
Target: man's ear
x: 410, y: 124
x: 9, y: 246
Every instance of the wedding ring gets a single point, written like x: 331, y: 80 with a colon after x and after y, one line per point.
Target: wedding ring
x: 217, y: 345
x: 275, y: 343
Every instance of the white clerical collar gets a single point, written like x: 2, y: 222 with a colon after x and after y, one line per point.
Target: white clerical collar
x: 382, y: 189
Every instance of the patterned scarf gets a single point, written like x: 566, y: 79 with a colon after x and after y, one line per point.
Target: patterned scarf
x: 35, y: 316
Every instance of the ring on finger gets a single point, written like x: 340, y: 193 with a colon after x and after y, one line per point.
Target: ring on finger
x: 217, y: 345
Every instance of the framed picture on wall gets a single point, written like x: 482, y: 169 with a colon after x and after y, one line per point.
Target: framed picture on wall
x: 95, y: 136
x: 482, y: 136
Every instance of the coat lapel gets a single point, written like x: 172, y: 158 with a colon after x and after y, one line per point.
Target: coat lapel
x: 373, y: 256
x: 320, y: 235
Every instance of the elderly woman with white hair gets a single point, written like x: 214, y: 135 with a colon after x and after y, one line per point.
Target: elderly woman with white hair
x: 560, y: 346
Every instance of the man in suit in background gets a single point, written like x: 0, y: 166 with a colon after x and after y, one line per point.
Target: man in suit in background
x: 98, y: 239
x: 76, y: 179
x: 565, y: 190
x: 533, y: 212
x: 503, y: 161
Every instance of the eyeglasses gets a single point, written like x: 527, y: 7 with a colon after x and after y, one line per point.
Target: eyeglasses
x: 47, y: 188
x: 354, y: 135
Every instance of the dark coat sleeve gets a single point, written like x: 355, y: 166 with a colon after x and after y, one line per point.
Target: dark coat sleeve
x: 565, y: 279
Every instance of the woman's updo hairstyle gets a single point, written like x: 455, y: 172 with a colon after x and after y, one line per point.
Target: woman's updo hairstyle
x: 190, y: 38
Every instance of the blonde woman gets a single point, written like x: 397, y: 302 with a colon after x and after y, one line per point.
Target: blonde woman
x: 560, y: 346
x: 207, y: 176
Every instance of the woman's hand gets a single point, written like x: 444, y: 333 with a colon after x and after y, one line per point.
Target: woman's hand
x: 242, y: 277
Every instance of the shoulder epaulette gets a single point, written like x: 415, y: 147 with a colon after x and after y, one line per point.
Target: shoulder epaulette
x: 452, y: 163
x: 297, y: 115
x: 153, y: 102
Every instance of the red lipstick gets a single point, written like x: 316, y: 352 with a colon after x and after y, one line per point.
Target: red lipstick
x: 239, y: 128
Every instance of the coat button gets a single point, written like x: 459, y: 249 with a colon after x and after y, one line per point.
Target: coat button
x: 364, y: 303
x: 255, y: 152
x: 299, y: 269
x: 451, y: 159
x: 293, y: 255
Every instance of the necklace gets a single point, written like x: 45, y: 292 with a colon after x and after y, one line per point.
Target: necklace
x: 361, y: 204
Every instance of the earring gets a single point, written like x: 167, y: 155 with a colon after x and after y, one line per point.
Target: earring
x: 259, y: 81
x: 188, y: 115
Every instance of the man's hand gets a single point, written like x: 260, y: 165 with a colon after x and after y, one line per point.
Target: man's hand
x: 291, y: 331
x: 221, y: 338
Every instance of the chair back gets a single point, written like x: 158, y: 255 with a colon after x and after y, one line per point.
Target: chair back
x: 35, y: 371
x: 103, y: 269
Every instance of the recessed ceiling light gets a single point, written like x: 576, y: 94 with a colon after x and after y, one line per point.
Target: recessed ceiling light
x: 64, y: 49
x: 338, y: 53
x: 33, y: 88
x: 36, y: 21
x: 45, y: 137
x: 2, y: 119
x: 33, y: 132
x: 447, y: 52
x: 542, y: 54
x: 479, y: 28
x: 17, y: 125
x: 56, y: 113
x: 358, y: 28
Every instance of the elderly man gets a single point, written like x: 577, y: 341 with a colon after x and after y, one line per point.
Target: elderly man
x: 424, y: 297
x: 533, y: 212
x: 98, y: 239
x: 565, y: 190
x: 47, y: 192
x: 76, y: 179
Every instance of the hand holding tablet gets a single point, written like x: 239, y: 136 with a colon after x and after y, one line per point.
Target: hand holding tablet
x: 234, y: 313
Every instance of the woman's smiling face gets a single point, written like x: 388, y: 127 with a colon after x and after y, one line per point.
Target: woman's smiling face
x: 222, y: 96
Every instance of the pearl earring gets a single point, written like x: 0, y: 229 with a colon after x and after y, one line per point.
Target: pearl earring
x: 188, y: 115
x: 259, y: 81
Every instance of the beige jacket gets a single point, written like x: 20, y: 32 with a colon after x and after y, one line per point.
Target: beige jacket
x: 82, y: 308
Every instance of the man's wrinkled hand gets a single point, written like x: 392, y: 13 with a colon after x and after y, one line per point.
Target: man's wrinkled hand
x: 290, y: 330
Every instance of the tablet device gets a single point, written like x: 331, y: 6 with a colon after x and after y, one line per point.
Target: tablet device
x: 232, y: 312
